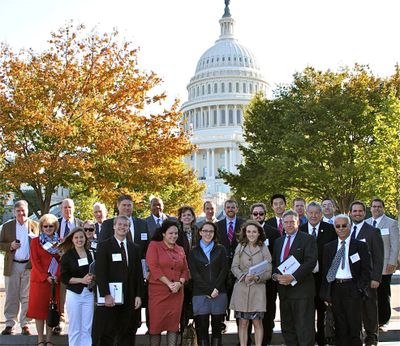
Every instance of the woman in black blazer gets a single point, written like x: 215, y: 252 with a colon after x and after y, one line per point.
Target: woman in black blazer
x: 75, y: 275
x: 208, y: 266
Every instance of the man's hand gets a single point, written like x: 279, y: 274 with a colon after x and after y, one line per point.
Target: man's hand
x: 214, y: 293
x: 138, y: 302
x: 285, y: 279
x: 390, y: 268
x: 109, y: 301
x: 374, y: 284
x: 14, y: 246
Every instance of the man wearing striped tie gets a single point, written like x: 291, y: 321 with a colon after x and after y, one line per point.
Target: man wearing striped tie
x: 346, y: 269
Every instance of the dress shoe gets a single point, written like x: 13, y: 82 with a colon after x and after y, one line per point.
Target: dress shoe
x: 25, y: 331
x: 383, y: 327
x: 7, y: 331
x: 57, y: 330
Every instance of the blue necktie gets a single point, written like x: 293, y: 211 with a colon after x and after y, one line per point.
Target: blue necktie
x: 374, y: 223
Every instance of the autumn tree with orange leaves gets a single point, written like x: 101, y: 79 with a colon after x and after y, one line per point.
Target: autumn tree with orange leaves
x: 79, y: 115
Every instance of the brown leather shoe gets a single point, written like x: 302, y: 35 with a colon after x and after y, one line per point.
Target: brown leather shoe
x: 7, y: 331
x: 25, y: 331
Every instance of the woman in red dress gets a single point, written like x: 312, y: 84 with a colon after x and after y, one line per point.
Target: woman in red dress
x: 168, y: 274
x: 45, y: 260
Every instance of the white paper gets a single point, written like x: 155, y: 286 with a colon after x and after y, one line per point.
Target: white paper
x: 83, y: 262
x: 363, y: 240
x: 116, y: 257
x: 115, y: 291
x: 259, y: 268
x: 385, y: 231
x: 47, y: 245
x: 143, y: 236
x: 289, y: 266
x: 355, y: 258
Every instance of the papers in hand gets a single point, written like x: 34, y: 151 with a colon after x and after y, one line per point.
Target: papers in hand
x: 115, y: 291
x: 259, y: 268
x: 289, y: 266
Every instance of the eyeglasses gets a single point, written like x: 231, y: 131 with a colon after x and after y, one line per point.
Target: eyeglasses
x: 89, y: 229
x: 258, y: 214
x: 341, y: 226
x: 48, y: 226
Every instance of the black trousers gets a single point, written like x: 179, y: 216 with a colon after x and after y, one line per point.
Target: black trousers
x: 346, y: 308
x: 384, y: 295
x: 370, y: 316
x: 298, y: 321
x: 320, y: 308
x: 269, y: 316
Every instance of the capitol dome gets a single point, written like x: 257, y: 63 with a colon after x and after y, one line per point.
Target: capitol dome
x: 226, y: 78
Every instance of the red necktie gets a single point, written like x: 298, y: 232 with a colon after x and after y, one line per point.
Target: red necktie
x: 280, y: 226
x: 230, y: 231
x: 287, y: 248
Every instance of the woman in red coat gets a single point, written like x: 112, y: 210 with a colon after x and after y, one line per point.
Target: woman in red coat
x: 45, y: 261
x: 168, y: 274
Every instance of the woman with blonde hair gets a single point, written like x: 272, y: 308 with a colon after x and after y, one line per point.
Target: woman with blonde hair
x: 45, y: 259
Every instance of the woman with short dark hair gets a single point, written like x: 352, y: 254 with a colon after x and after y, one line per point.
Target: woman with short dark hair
x: 208, y: 266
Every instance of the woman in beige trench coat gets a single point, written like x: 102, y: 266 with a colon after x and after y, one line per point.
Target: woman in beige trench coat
x: 248, y: 297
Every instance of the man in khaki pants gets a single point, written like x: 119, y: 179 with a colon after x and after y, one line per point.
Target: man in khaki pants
x: 15, y: 238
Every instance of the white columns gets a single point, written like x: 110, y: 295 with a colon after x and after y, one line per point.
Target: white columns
x: 226, y: 159
x: 208, y: 163
x: 231, y: 159
x: 212, y: 170
x: 195, y: 161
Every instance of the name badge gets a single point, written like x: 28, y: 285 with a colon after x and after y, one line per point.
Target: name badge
x: 143, y: 236
x: 266, y: 242
x: 385, y: 231
x: 47, y: 245
x: 116, y: 257
x: 364, y: 240
x: 355, y: 258
x: 83, y: 262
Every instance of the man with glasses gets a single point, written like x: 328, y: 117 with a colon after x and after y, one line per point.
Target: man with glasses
x: 258, y: 213
x: 15, y: 238
x: 389, y: 229
x: 296, y: 290
x: 346, y: 269
x: 324, y: 233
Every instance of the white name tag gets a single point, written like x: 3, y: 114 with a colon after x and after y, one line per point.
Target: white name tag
x: 116, y: 257
x: 355, y: 258
x: 385, y: 231
x: 47, y: 245
x: 143, y: 236
x: 266, y: 242
x: 83, y: 262
x: 364, y: 240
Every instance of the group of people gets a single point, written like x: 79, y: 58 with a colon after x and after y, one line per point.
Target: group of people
x: 105, y: 271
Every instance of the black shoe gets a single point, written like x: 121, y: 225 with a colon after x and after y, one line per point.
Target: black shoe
x: 25, y: 331
x: 7, y: 331
x: 57, y: 330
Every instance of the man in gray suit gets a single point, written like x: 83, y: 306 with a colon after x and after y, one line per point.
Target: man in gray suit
x: 389, y: 229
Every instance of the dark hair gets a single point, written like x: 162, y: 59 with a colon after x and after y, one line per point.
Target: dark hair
x: 298, y: 199
x: 379, y: 201
x: 358, y: 203
x: 215, y: 237
x: 185, y: 208
x: 67, y: 244
x: 276, y: 196
x: 258, y: 204
x: 230, y: 201
x: 158, y: 235
x: 261, y: 234
x: 123, y: 198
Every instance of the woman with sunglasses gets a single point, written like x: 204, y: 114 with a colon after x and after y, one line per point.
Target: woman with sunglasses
x: 90, y: 231
x: 75, y: 275
x: 45, y: 260
x: 208, y: 266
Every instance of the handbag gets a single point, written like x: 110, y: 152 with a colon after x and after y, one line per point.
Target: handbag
x: 53, y: 316
x: 189, y: 337
x: 329, y: 325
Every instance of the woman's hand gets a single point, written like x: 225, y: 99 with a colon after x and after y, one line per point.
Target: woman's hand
x: 175, y: 286
x: 250, y: 278
x: 87, y: 279
x: 51, y: 278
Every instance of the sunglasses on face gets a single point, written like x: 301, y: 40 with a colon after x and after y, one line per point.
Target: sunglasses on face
x: 341, y: 226
x: 258, y: 214
x: 89, y: 229
x: 48, y: 226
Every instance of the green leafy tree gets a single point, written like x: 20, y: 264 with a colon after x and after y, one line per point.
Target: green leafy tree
x: 315, y: 137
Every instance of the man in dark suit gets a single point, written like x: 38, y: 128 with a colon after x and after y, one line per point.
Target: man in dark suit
x: 390, y: 234
x: 346, y: 269
x: 138, y: 231
x: 372, y: 236
x: 100, y: 214
x: 118, y: 260
x: 257, y: 213
x: 157, y: 216
x: 296, y: 289
x: 278, y: 204
x: 67, y: 223
x: 15, y: 238
x: 324, y: 233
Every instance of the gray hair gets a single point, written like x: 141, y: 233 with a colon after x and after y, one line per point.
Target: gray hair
x: 343, y: 216
x: 102, y: 206
x: 314, y: 204
x: 290, y: 212
x: 21, y: 203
